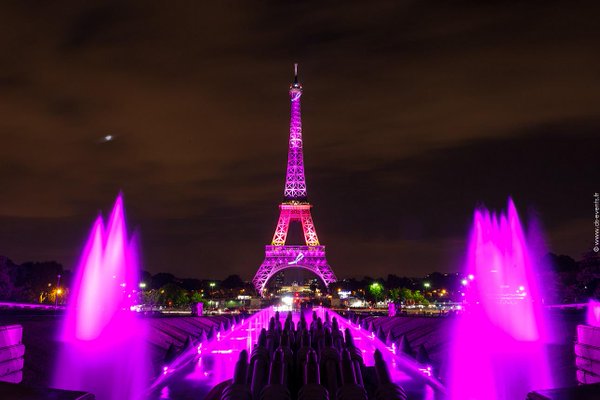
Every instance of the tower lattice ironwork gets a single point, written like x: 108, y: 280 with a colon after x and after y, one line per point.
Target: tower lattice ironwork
x: 294, y: 208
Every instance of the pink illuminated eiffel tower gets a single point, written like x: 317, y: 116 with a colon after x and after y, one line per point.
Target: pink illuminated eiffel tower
x: 294, y: 208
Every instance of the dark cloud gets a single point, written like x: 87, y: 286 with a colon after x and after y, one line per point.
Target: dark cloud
x: 413, y: 112
x: 429, y: 199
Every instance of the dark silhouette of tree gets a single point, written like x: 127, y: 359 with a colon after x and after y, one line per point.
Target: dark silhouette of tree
x: 564, y: 280
x: 233, y: 282
x: 191, y: 284
x: 161, y: 279
x: 173, y: 295
x: 145, y: 277
x: 559, y: 263
x: 34, y: 278
x: 394, y: 281
x: 6, y: 282
x: 588, y: 276
x: 352, y: 284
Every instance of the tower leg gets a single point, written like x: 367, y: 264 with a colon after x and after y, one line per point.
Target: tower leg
x: 310, y: 233
x: 282, y: 228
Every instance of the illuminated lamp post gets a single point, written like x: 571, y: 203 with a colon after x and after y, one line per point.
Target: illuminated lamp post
x: 57, y: 292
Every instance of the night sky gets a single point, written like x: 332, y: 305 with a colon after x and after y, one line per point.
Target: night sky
x: 414, y: 113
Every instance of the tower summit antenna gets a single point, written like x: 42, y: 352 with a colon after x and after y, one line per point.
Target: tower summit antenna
x: 296, y: 84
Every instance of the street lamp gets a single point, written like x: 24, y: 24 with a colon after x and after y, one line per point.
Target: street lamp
x: 427, y: 285
x: 58, y: 291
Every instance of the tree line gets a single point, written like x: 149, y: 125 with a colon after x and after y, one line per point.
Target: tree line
x: 563, y: 280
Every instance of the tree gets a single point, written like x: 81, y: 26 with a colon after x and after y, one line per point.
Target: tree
x: 161, y: 279
x: 393, y: 281
x: 173, y: 295
x: 151, y: 297
x: 559, y: 263
x: 419, y: 298
x: 588, y: 277
x: 395, y: 294
x: 376, y: 291
x: 33, y: 278
x: 406, y: 295
x: 196, y: 297
x: 552, y: 290
x: 145, y: 277
x: 182, y: 299
x: 233, y: 282
x: 6, y: 284
x: 191, y: 284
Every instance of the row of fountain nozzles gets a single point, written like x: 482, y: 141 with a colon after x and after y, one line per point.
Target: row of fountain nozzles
x: 401, y: 344
x: 310, y: 363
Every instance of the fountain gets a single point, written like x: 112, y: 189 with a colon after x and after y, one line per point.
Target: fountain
x: 593, y: 313
x: 587, y: 356
x: 219, y: 359
x: 102, y: 341
x: 498, y: 349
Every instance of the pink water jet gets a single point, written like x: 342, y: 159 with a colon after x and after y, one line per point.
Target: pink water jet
x: 102, y: 340
x: 593, y: 313
x: 498, y: 345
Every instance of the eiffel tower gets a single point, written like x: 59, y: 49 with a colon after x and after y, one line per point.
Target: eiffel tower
x: 294, y: 208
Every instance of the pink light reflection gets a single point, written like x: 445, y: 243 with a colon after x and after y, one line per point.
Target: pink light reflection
x: 219, y: 356
x: 593, y: 313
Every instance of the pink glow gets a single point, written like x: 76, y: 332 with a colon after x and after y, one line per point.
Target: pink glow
x: 498, y: 343
x: 295, y: 212
x: 103, y: 342
x: 216, y: 363
x: 295, y: 182
x: 593, y: 313
x: 278, y: 258
x: 295, y: 208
